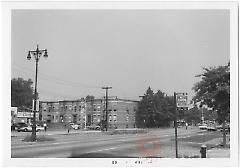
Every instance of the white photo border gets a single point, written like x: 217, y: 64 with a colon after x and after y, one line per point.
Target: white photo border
x: 7, y: 7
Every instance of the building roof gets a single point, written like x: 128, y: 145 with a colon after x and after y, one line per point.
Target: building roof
x: 110, y: 99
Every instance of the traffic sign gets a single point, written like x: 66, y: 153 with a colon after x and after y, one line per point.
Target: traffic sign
x: 181, y: 100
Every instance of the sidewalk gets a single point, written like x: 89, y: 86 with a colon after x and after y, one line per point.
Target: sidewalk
x: 218, y: 153
x: 54, y: 132
x: 214, y: 150
x: 65, y: 132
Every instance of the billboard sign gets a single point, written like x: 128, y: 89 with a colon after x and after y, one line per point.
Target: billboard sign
x: 181, y: 100
x: 26, y: 114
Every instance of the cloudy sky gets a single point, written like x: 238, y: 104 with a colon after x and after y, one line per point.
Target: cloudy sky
x: 126, y: 49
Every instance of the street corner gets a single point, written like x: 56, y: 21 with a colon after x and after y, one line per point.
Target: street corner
x: 148, y: 145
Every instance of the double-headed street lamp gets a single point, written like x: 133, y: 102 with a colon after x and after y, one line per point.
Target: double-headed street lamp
x: 36, y: 54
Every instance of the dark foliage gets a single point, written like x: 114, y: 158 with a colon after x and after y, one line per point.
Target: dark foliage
x: 155, y: 110
x: 21, y: 93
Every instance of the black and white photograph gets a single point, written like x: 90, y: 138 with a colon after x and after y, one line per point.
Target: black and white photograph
x: 121, y: 85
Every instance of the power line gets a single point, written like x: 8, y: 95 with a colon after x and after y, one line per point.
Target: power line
x: 55, y: 79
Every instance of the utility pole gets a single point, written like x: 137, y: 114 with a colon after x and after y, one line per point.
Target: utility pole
x: 106, y: 108
x: 175, y: 125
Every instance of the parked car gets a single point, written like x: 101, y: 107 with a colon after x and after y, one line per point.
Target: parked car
x: 211, y: 128
x: 203, y: 126
x: 75, y: 126
x: 28, y: 128
x: 219, y: 127
x: 227, y: 127
x: 94, y: 127
x: 19, y: 125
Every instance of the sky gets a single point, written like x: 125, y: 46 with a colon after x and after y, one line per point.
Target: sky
x: 128, y: 50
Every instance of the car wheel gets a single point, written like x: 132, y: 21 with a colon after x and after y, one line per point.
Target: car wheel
x: 25, y: 129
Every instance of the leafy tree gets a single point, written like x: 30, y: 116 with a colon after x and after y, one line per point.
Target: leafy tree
x: 164, y: 109
x: 154, y: 110
x: 214, y: 91
x: 193, y: 115
x: 145, y: 112
x: 21, y: 93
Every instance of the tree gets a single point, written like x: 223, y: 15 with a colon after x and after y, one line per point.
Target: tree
x: 164, y: 109
x: 21, y: 93
x: 155, y: 110
x: 144, y: 115
x: 193, y: 115
x: 214, y: 91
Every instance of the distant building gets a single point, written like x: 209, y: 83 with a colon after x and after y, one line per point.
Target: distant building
x: 64, y: 111
x: 121, y: 112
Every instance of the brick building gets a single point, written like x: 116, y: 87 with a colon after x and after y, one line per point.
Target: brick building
x: 121, y: 112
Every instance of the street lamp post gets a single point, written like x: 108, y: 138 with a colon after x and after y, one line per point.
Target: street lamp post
x: 36, y: 54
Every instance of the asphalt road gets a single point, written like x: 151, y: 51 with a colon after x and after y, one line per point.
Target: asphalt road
x: 155, y: 143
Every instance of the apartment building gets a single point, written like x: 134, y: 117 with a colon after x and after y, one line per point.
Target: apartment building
x: 121, y: 112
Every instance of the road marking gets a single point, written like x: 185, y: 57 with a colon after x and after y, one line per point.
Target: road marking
x: 199, y: 143
x: 185, y: 136
x: 104, y: 150
x: 122, y: 139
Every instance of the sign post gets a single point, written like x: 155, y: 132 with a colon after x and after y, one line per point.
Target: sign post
x: 180, y: 103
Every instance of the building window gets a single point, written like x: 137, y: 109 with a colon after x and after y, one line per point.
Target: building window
x: 115, y: 118
x: 115, y: 110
